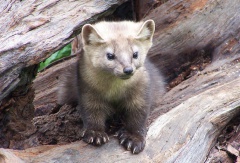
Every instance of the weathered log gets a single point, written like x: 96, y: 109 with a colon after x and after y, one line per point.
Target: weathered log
x: 184, y: 134
x: 31, y: 31
x: 199, y: 107
x: 46, y: 86
x: 190, y: 28
x: 144, y: 7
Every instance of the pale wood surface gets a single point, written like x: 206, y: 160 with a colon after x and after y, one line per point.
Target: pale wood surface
x: 189, y: 28
x: 199, y: 107
x: 32, y: 30
x: 184, y: 134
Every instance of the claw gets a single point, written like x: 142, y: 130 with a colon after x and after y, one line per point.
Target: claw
x: 104, y: 139
x: 90, y: 140
x: 122, y: 141
x: 121, y: 136
x: 83, y: 133
x: 98, y: 142
x: 134, y: 150
x: 129, y: 146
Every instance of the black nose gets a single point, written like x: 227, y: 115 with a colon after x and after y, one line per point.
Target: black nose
x: 128, y: 70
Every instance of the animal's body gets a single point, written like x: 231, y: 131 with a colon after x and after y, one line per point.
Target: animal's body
x: 114, y: 77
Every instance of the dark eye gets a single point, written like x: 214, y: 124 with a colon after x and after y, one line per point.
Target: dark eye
x: 110, y: 56
x: 135, y: 55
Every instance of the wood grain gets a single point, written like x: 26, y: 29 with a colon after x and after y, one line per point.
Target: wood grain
x: 32, y: 30
x: 185, y: 126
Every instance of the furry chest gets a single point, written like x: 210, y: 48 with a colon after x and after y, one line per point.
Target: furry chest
x: 115, y: 91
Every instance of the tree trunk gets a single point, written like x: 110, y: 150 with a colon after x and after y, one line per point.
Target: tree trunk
x: 196, y: 45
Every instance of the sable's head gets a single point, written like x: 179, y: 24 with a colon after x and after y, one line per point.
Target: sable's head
x: 119, y: 48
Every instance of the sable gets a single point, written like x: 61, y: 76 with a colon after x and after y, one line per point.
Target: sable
x: 114, y: 77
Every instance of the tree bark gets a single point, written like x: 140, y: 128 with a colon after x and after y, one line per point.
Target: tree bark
x: 199, y: 109
x: 187, y: 29
x: 189, y: 35
x: 31, y: 31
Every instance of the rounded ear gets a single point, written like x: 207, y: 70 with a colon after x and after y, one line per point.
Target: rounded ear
x: 146, y: 31
x: 90, y: 35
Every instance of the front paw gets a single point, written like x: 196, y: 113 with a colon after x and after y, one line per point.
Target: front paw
x: 133, y: 142
x: 94, y: 137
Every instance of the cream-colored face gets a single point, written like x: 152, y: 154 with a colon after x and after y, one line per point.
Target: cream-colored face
x: 119, y: 53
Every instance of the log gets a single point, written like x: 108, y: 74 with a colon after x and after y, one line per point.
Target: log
x: 187, y: 29
x: 184, y: 134
x: 144, y: 7
x: 46, y: 86
x: 185, y: 126
x: 31, y: 31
